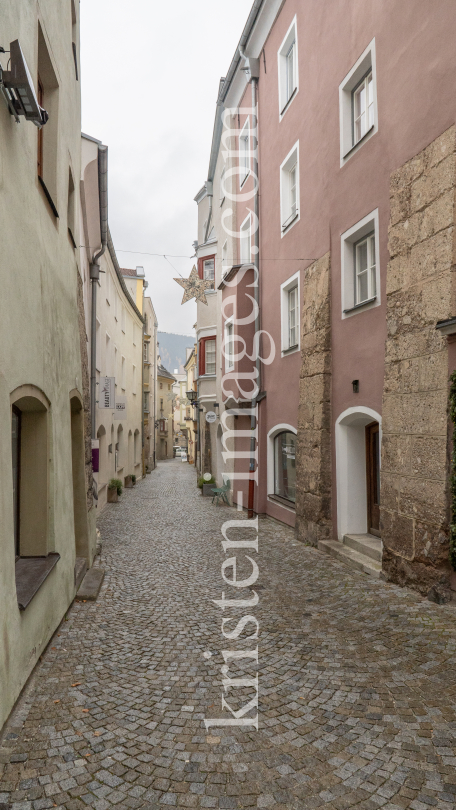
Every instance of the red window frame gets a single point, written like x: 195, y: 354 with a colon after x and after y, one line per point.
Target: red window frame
x: 201, y: 265
x: 202, y: 353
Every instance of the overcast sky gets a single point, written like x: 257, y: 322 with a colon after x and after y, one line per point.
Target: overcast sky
x: 150, y: 74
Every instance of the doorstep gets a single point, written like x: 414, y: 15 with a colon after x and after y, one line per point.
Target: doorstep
x: 91, y: 584
x: 363, y: 552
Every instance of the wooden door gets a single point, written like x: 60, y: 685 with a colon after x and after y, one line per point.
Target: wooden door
x: 373, y: 478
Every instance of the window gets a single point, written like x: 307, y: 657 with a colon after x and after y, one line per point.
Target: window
x: 161, y: 385
x: 293, y: 317
x: 288, y: 68
x: 98, y: 346
x: 360, y: 266
x: 74, y: 37
x: 285, y: 466
x: 108, y: 286
x: 290, y: 303
x: 146, y: 352
x: 161, y: 405
x: 123, y: 374
x: 108, y: 356
x: 244, y: 153
x: 135, y: 329
x: 222, y: 186
x: 30, y: 471
x: 134, y: 380
x: 363, y: 108
x: 71, y: 209
x: 115, y: 364
x: 146, y: 402
x: 358, y: 104
x: 169, y: 386
x: 207, y: 356
x: 210, y: 356
x: 229, y: 346
x: 209, y: 270
x: 225, y: 258
x: 16, y: 447
x: 40, y: 95
x: 48, y: 97
x: 365, y: 269
x: 245, y: 245
x: 122, y: 319
x: 289, y: 189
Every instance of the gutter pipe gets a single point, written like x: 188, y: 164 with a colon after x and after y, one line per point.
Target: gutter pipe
x: 253, y: 63
x: 94, y: 277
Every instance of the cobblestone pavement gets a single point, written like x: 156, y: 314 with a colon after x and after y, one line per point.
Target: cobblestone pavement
x: 357, y: 678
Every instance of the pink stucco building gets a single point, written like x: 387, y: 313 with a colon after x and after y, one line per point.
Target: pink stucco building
x: 356, y: 180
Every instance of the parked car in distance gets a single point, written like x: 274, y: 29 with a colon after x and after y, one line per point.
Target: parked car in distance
x: 177, y: 451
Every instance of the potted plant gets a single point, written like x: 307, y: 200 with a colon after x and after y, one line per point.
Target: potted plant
x: 114, y: 490
x: 133, y: 478
x: 207, y: 483
x: 128, y: 481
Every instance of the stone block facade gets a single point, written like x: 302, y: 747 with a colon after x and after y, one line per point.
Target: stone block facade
x: 313, y: 461
x: 414, y: 478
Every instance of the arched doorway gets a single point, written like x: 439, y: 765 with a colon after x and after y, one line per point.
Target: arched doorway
x: 358, y: 443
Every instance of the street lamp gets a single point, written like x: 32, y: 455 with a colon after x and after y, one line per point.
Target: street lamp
x: 191, y: 396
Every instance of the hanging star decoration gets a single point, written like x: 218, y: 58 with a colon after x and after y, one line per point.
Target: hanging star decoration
x: 194, y: 287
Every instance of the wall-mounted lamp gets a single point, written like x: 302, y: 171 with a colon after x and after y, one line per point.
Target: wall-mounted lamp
x: 191, y: 396
x: 16, y: 86
x: 355, y: 384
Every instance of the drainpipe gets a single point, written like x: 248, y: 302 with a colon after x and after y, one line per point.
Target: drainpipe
x: 94, y: 277
x: 155, y: 390
x: 252, y: 66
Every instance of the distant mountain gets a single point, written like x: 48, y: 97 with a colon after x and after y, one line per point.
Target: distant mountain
x: 172, y: 350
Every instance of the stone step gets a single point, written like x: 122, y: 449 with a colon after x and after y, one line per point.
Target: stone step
x: 91, y: 584
x: 80, y: 569
x: 366, y: 544
x: 351, y: 557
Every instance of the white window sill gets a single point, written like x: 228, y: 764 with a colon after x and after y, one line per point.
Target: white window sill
x: 207, y: 376
x: 367, y: 135
x: 287, y: 227
x: 293, y: 95
x: 361, y: 305
x: 245, y: 179
x: 290, y: 350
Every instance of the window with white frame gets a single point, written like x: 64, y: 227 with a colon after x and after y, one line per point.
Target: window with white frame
x: 244, y: 152
x: 222, y: 186
x: 229, y: 346
x: 360, y: 270
x: 290, y: 298
x: 123, y: 374
x: 363, y: 107
x: 358, y: 104
x: 245, y: 246
x: 209, y: 270
x: 289, y: 189
x: 288, y: 68
x: 123, y: 319
x: 209, y: 347
x: 364, y: 260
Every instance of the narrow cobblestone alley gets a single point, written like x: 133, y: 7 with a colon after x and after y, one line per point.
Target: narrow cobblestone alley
x: 357, y: 696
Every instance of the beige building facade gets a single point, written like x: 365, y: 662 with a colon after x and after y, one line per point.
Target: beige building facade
x: 46, y: 509
x: 165, y: 409
x: 118, y: 439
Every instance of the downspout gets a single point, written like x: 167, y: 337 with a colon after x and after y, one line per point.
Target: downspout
x: 253, y: 67
x: 94, y: 277
x: 155, y: 391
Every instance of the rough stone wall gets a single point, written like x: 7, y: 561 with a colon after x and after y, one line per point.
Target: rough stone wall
x: 414, y: 480
x: 85, y: 382
x: 313, y: 462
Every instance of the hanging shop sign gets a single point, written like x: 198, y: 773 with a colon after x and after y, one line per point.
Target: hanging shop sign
x: 107, y: 392
x: 211, y: 416
x: 121, y: 408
